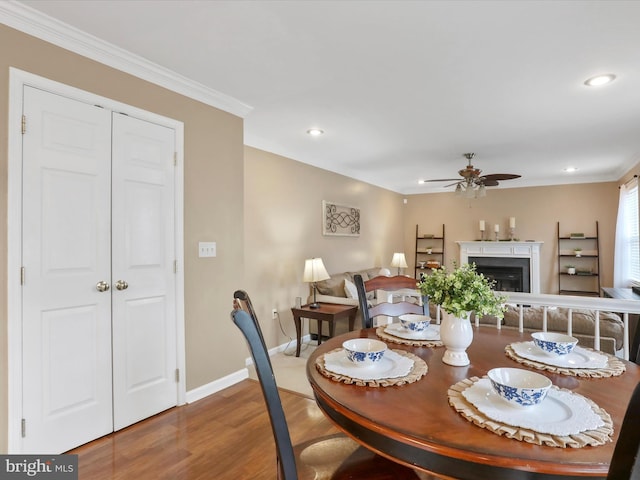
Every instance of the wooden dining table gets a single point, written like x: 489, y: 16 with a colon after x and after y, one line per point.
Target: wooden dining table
x: 415, y: 425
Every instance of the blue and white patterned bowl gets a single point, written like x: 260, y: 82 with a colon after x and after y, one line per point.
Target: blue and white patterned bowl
x: 415, y: 323
x: 556, y: 343
x: 364, y: 352
x: 520, y: 387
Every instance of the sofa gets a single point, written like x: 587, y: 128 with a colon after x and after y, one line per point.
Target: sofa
x: 340, y: 289
x: 583, y: 324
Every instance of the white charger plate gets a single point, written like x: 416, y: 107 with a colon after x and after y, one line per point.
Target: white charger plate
x: 578, y: 358
x: 392, y: 365
x: 560, y: 413
x: 432, y: 332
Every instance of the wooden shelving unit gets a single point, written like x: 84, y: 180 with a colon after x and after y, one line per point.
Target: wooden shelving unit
x: 586, y: 278
x: 425, y: 241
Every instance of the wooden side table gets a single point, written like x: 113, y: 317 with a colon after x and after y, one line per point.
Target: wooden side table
x: 328, y: 312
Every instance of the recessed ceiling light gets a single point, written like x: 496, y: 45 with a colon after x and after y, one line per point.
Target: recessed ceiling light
x: 570, y: 169
x: 315, y: 132
x: 420, y: 182
x: 600, y: 80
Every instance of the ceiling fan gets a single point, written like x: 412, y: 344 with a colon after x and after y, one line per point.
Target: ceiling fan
x: 473, y: 183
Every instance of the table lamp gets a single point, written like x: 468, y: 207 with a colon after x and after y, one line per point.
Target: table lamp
x: 399, y: 261
x: 314, y: 271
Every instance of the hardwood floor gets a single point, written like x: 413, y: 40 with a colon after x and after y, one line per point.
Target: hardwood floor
x: 224, y: 436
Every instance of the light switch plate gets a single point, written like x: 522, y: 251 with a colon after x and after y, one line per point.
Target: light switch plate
x: 206, y: 249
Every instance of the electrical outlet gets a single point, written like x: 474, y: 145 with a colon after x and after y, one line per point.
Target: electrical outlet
x: 274, y: 313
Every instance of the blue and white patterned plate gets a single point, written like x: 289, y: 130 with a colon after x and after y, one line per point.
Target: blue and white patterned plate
x: 579, y: 358
x: 392, y: 365
x: 561, y: 413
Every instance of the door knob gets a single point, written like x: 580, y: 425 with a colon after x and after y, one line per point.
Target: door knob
x: 122, y: 285
x: 102, y: 286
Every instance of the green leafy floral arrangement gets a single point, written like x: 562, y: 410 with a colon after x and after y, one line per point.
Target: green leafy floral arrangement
x: 462, y: 290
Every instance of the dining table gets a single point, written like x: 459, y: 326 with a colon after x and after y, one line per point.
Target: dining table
x: 415, y: 423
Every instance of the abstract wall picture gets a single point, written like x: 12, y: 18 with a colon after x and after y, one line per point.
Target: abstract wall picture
x: 340, y: 219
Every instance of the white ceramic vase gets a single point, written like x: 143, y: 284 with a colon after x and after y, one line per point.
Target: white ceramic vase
x: 456, y: 334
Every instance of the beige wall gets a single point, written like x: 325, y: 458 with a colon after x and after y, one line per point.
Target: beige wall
x: 213, y: 204
x: 537, y: 211
x: 283, y: 227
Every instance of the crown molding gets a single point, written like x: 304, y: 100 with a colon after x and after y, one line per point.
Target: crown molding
x: 44, y: 27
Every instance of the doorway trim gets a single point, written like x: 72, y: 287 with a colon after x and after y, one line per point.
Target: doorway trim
x: 17, y: 80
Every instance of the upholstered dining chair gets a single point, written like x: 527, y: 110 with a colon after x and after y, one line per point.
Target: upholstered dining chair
x: 389, y: 284
x: 335, y: 457
x: 625, y: 463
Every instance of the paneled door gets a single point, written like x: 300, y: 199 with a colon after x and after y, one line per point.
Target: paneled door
x: 98, y: 294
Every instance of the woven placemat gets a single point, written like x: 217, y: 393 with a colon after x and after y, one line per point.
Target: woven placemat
x: 406, y: 341
x: 418, y: 370
x: 613, y: 368
x: 592, y: 438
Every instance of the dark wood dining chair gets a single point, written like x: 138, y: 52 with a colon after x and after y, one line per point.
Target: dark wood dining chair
x: 625, y: 463
x: 334, y: 457
x: 370, y: 312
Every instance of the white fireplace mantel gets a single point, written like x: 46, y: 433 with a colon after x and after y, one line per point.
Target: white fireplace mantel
x: 530, y: 250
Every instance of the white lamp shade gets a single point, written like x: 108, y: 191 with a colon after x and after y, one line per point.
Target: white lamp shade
x: 399, y: 261
x: 314, y: 270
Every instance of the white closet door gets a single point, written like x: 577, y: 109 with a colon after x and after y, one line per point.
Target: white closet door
x: 66, y: 252
x: 144, y: 310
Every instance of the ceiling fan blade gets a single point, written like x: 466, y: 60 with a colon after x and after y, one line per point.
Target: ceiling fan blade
x: 499, y: 176
x: 488, y: 183
x: 443, y: 180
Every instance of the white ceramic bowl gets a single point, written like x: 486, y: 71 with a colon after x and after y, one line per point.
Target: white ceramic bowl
x: 519, y: 387
x: 556, y: 343
x: 414, y: 322
x: 364, y: 352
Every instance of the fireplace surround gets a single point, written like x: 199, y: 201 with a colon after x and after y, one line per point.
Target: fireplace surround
x: 508, y: 260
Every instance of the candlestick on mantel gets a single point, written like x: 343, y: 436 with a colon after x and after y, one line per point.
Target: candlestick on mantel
x: 512, y: 222
x: 482, y: 227
x: 496, y: 229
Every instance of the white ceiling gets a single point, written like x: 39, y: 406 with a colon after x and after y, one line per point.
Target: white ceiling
x: 403, y: 88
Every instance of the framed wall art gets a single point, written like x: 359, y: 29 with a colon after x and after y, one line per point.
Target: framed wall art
x: 340, y: 220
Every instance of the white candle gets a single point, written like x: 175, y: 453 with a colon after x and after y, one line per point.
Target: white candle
x: 496, y: 228
x: 482, y: 225
x: 512, y: 222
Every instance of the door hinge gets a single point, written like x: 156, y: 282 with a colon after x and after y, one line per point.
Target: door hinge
x: 175, y: 266
x: 177, y: 375
x: 23, y: 428
x: 21, y: 275
x: 175, y: 159
x: 23, y: 124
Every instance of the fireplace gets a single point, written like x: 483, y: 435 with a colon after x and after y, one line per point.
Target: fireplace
x: 506, y: 262
x: 509, y: 274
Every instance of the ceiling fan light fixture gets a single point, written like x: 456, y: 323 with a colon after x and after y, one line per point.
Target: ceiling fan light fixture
x: 599, y: 80
x: 459, y: 191
x: 482, y: 190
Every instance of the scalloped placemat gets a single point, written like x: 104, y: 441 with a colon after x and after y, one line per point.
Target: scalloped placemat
x: 418, y: 370
x: 406, y: 341
x: 591, y: 438
x: 613, y: 368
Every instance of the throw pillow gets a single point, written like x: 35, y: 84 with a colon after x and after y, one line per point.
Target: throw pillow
x: 350, y: 289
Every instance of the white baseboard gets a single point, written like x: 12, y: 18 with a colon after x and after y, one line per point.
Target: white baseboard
x: 225, y: 382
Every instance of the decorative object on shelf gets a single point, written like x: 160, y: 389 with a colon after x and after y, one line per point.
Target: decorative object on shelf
x: 571, y: 269
x: 428, y: 250
x: 578, y: 252
x: 576, y: 235
x: 482, y: 229
x: 496, y: 229
x: 428, y: 235
x: 459, y: 293
x: 421, y: 264
x: 399, y: 261
x: 340, y: 220
x: 512, y: 228
x: 314, y: 271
